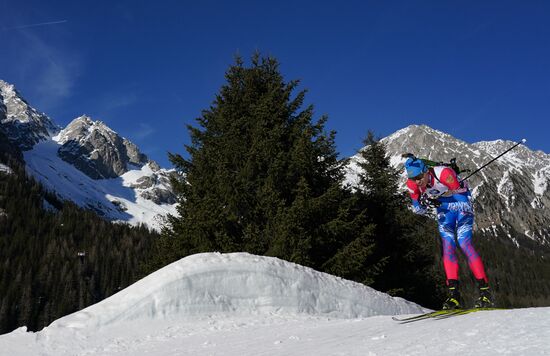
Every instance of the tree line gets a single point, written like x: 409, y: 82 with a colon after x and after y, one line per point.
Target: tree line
x: 56, y: 258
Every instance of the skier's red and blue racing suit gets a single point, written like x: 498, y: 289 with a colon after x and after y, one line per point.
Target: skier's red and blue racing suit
x: 455, y: 217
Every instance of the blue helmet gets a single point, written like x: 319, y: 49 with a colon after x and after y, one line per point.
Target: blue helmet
x: 415, y: 167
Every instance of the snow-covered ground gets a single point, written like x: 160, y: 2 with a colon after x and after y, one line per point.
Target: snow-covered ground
x: 241, y: 304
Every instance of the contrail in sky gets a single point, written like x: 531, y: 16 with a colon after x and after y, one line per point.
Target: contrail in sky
x: 36, y: 25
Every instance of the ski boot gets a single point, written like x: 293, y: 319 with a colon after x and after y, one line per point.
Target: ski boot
x: 485, y: 299
x: 453, y: 301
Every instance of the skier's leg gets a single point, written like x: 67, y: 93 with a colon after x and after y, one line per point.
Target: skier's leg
x: 447, y: 226
x: 464, y: 236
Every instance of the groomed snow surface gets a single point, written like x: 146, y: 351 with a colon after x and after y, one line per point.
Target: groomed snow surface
x: 241, y: 304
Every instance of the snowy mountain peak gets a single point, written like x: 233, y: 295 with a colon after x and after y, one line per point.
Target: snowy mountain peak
x: 97, y: 150
x: 86, y: 162
x: 5, y: 86
x: 82, y: 127
x: 511, y: 195
x: 21, y: 123
x: 425, y: 138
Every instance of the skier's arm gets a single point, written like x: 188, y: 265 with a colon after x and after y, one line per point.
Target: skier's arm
x: 418, y: 208
x: 414, y: 192
x: 450, y: 179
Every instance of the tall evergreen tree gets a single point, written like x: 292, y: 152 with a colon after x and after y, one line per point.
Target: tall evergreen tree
x: 404, y: 241
x: 261, y: 176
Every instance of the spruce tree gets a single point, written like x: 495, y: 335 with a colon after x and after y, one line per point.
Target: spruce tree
x: 260, y: 174
x: 403, y: 241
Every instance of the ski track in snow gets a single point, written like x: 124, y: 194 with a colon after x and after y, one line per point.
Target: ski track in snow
x: 508, y: 332
x: 240, y: 304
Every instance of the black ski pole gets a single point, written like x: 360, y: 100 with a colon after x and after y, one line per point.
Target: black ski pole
x: 494, y: 159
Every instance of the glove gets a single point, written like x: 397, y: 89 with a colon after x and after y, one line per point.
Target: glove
x: 420, y: 210
x: 429, y: 202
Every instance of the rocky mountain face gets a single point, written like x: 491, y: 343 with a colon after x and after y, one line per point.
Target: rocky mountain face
x: 20, y: 122
x: 97, y: 150
x: 86, y: 162
x: 101, y: 153
x: 511, y: 195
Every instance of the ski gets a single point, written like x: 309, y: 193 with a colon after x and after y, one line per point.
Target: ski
x: 465, y: 311
x: 431, y: 314
x: 441, y: 314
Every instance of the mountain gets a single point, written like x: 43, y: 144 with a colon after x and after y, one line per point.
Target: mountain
x: 242, y: 304
x: 511, y: 195
x: 92, y: 165
x: 20, y: 122
x: 87, y: 163
x: 97, y: 150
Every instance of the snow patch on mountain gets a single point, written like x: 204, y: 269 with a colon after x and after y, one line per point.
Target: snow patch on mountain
x: 5, y: 169
x: 115, y: 199
x: 540, y: 181
x: 505, y: 188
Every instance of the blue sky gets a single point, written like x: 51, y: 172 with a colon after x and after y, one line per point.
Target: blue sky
x: 478, y: 70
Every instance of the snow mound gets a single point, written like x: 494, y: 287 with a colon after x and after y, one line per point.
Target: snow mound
x: 239, y: 283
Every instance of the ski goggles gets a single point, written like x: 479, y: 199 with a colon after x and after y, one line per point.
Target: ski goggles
x: 418, y: 177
